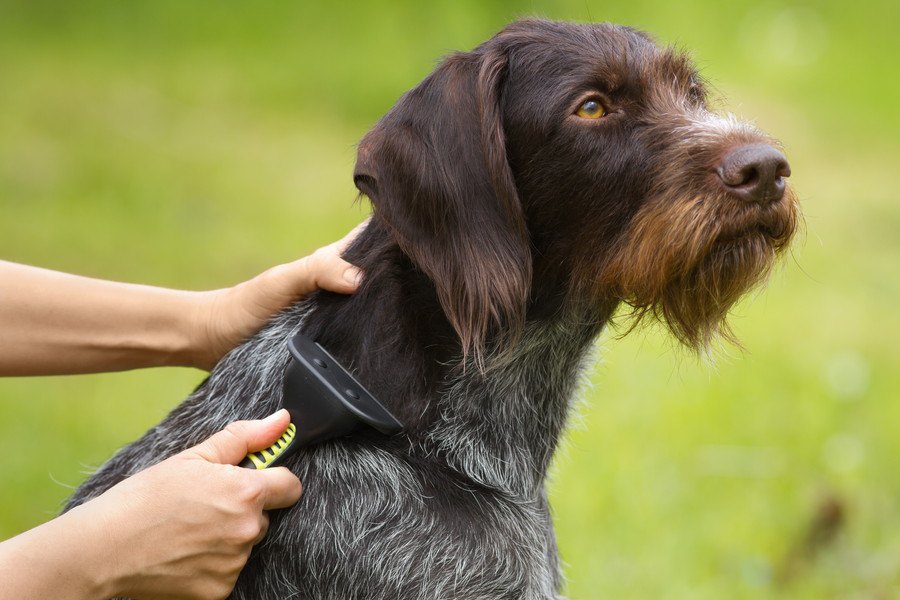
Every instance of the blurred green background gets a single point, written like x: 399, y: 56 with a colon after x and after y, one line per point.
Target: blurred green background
x: 193, y: 145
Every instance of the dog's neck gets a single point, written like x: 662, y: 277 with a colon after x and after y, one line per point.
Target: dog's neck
x: 498, y: 424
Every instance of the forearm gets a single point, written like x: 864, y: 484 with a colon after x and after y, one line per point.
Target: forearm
x: 54, y: 323
x: 64, y: 559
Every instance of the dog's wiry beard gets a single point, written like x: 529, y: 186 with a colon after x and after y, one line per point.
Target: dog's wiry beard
x: 687, y: 261
x: 692, y: 249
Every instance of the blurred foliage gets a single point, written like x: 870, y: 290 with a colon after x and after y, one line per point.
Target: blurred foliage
x: 194, y: 144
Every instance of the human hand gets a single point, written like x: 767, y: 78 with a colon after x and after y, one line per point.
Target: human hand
x: 185, y: 527
x: 224, y: 318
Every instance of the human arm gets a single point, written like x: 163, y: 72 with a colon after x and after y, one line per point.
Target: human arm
x: 56, y: 323
x: 180, y: 529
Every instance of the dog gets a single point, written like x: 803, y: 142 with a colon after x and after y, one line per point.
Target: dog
x: 522, y: 193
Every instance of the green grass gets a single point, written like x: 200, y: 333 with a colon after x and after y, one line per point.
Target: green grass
x: 193, y: 145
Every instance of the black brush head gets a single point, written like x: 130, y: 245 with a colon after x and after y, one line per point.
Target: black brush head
x: 325, y: 401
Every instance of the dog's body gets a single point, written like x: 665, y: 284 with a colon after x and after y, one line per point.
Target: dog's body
x: 507, y: 229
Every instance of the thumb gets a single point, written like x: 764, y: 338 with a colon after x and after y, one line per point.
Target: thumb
x: 233, y: 443
x: 337, y: 275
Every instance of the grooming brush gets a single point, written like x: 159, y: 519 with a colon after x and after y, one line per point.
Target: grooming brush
x: 324, y: 401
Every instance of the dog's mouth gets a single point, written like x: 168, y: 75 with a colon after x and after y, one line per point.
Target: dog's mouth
x: 772, y: 225
x: 752, y: 236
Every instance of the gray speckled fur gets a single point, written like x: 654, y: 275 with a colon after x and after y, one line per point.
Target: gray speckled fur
x: 370, y: 523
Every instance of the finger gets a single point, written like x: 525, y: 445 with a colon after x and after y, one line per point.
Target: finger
x: 233, y: 443
x: 263, y: 527
x: 283, y: 284
x: 323, y: 269
x: 282, y: 487
x: 330, y: 271
x: 337, y: 275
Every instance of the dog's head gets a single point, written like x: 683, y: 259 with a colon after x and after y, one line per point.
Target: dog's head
x: 576, y: 164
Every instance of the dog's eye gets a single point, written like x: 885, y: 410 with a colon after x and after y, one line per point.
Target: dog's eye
x: 590, y: 109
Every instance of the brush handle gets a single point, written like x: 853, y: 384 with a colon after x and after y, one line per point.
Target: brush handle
x: 274, y: 454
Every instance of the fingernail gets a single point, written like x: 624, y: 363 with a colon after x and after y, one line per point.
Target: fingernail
x: 353, y: 276
x: 274, y: 416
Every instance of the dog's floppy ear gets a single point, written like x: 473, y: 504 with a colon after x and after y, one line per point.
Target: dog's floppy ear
x: 435, y: 168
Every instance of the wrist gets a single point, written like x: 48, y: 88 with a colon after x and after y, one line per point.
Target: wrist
x: 69, y: 557
x: 206, y: 337
x: 193, y: 348
x: 106, y: 529
x: 95, y: 563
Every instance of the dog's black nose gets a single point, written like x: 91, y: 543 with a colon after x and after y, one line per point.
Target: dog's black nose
x: 755, y: 173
